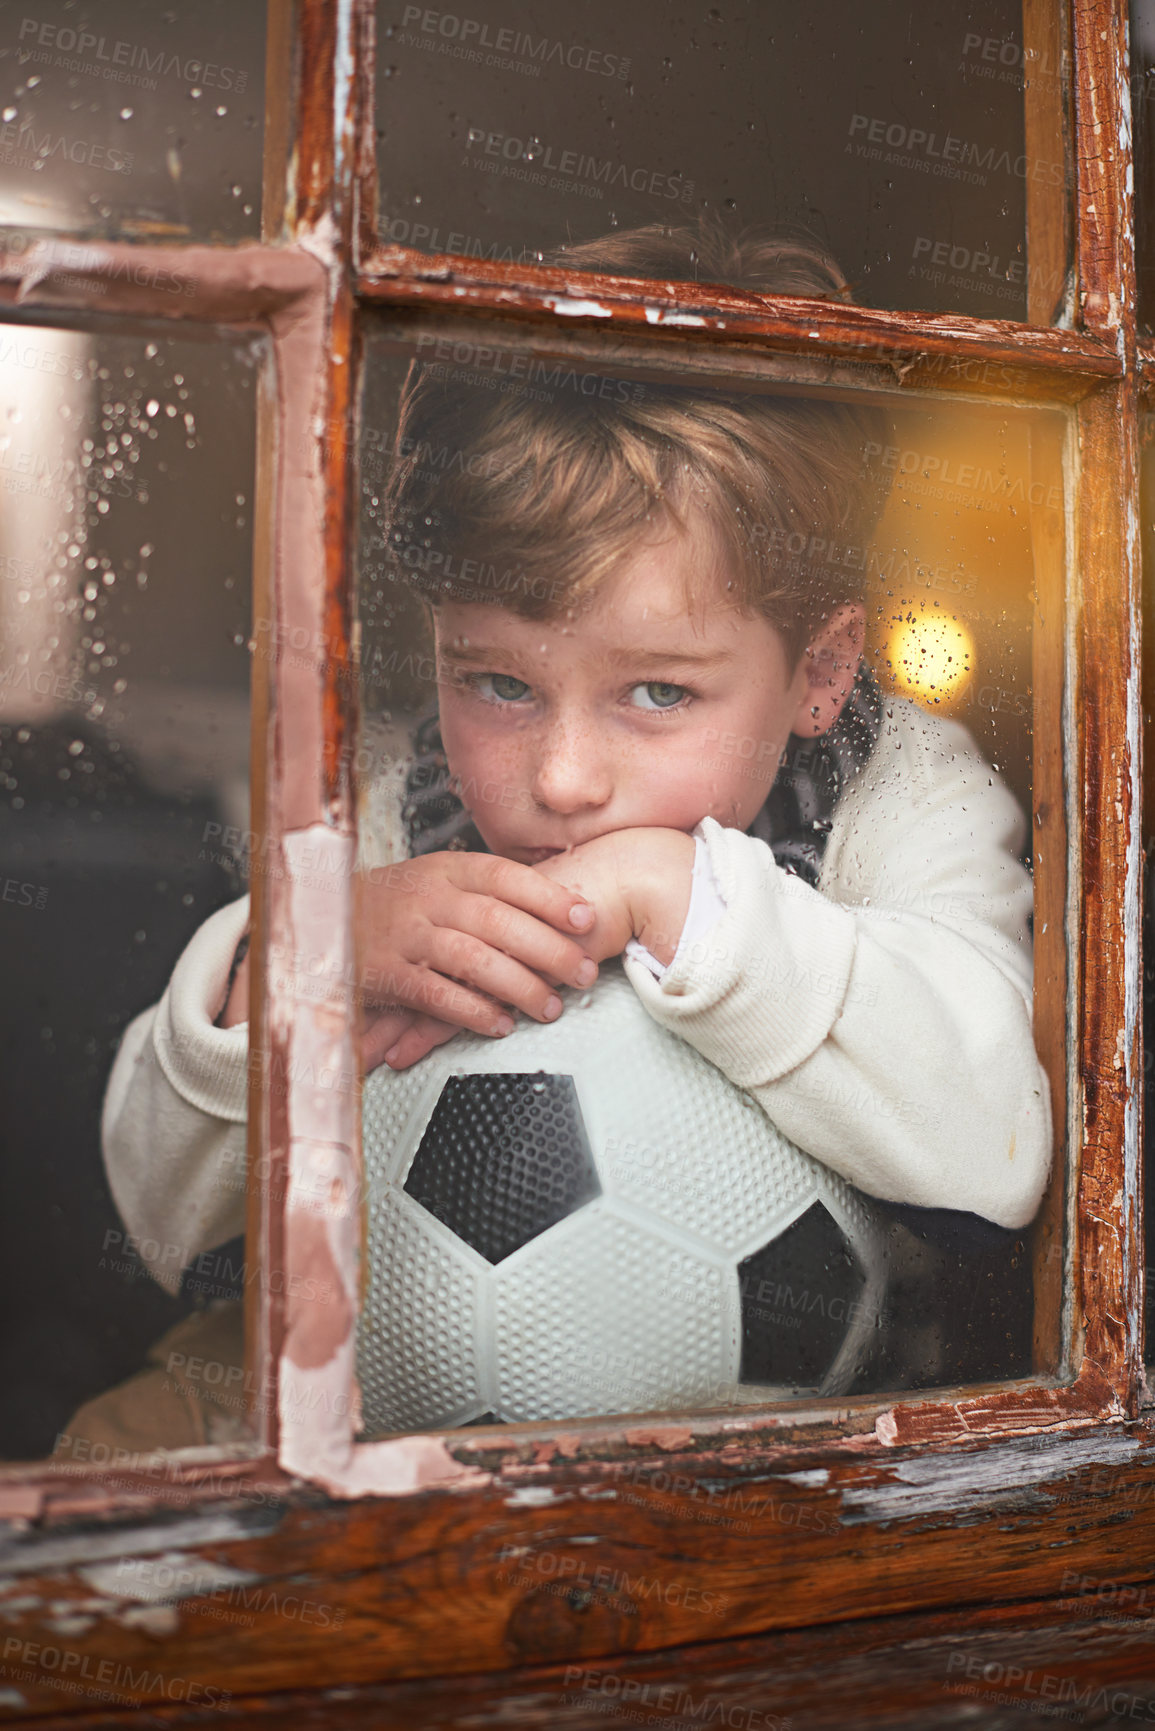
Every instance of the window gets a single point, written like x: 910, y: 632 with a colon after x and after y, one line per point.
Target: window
x: 987, y: 238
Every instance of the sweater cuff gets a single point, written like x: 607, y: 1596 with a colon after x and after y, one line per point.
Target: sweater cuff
x: 759, y: 995
x: 705, y: 909
x: 207, y: 1065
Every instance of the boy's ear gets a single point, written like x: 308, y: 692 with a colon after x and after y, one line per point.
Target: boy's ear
x: 831, y: 662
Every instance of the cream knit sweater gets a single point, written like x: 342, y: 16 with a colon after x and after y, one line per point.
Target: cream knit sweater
x: 883, y: 1020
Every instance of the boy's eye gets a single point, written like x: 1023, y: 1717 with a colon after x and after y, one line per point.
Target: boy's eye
x: 657, y: 694
x: 502, y: 686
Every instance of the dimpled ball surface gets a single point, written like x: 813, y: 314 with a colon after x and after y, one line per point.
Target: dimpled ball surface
x: 588, y: 1217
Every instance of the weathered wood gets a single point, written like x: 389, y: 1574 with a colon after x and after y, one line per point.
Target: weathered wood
x: 263, y: 1328
x: 279, y: 113
x: 1107, y: 763
x: 743, y: 1551
x: 568, y: 1561
x: 365, y: 13
x: 1049, y: 842
x: 306, y: 1178
x: 990, y: 1666
x: 394, y: 276
x: 1046, y: 59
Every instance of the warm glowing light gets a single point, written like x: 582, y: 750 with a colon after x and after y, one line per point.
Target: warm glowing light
x: 930, y: 656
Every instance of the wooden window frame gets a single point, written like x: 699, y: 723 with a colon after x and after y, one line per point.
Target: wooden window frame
x: 845, y: 1505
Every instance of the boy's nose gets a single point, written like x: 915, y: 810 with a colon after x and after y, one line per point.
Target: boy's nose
x: 571, y: 772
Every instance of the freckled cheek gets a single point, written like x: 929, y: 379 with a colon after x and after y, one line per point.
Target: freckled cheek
x: 478, y: 753
x: 673, y: 790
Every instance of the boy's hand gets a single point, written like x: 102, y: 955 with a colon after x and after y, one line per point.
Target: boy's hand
x: 638, y: 881
x: 449, y: 938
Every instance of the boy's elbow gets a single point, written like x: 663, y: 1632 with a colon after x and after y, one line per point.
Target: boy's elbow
x: 1018, y: 1168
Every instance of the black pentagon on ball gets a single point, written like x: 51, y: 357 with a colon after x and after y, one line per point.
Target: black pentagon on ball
x: 503, y: 1158
x: 797, y: 1298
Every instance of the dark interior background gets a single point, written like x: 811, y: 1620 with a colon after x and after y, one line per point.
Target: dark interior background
x: 129, y: 119
x: 115, y: 800
x: 751, y: 111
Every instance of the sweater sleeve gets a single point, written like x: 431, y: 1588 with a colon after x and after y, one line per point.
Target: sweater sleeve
x: 173, y: 1127
x: 887, y: 1033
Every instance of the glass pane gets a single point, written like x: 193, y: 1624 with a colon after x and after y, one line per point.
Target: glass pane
x: 919, y: 146
x: 1142, y: 97
x: 1147, y: 519
x: 132, y: 120
x: 753, y: 669
x: 127, y: 465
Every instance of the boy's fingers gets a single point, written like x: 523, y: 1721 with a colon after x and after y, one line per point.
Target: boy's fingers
x: 415, y: 990
x: 490, y: 970
x: 380, y: 1033
x: 430, y: 993
x: 524, y: 937
x: 523, y: 887
x: 418, y: 1041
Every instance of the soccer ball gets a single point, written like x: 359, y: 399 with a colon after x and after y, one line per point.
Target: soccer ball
x: 588, y: 1217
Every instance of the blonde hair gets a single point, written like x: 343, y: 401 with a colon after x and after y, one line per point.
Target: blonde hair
x: 527, y: 487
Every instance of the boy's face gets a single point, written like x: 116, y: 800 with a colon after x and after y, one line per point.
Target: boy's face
x: 634, y: 713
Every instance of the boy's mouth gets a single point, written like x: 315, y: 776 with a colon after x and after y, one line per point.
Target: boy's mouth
x: 535, y: 855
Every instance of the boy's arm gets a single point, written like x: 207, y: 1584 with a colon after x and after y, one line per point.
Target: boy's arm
x: 173, y: 1127
x: 889, y: 1033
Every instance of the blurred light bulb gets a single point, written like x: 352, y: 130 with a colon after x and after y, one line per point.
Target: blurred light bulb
x: 931, y: 657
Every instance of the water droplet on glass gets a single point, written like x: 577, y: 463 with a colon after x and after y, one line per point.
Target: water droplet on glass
x: 126, y: 114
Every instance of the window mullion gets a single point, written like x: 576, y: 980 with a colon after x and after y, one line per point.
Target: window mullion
x: 1104, y: 710
x: 305, y: 1070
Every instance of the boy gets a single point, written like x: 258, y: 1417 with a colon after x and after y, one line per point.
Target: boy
x: 667, y: 748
